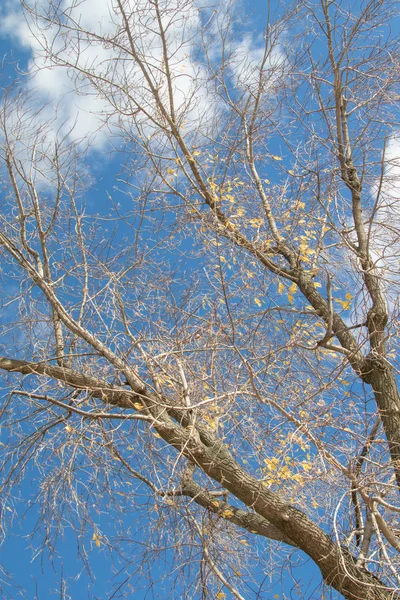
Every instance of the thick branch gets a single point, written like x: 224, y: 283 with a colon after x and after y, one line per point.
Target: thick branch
x: 338, y: 568
x: 250, y: 521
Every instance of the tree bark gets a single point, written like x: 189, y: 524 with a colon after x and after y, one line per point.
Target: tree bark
x: 210, y: 454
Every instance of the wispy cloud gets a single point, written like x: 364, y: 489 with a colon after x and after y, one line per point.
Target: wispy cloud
x: 92, y: 79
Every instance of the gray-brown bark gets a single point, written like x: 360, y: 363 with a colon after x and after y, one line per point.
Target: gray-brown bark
x: 310, y: 225
x: 205, y: 450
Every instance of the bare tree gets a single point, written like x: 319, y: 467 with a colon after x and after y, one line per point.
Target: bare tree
x: 219, y: 331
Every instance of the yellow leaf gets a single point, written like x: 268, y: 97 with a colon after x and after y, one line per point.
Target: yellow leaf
x: 317, y: 285
x: 256, y: 222
x: 349, y: 296
x: 345, y: 304
x: 244, y: 542
x: 285, y: 473
x: 227, y: 513
x: 211, y: 421
x: 293, y: 288
x: 271, y: 463
x: 257, y: 301
x: 277, y: 157
x: 157, y: 435
x: 138, y: 406
x: 196, y: 153
x: 290, y: 298
x: 281, y: 287
x: 171, y: 171
x: 220, y: 596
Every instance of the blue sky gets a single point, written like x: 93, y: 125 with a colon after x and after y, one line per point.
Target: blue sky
x: 34, y: 575
x: 39, y: 577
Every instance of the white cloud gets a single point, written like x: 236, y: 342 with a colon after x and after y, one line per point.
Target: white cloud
x: 385, y: 240
x: 250, y: 58
x: 97, y: 50
x: 84, y: 55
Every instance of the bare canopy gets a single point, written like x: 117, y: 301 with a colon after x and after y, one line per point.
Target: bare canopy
x: 209, y: 339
